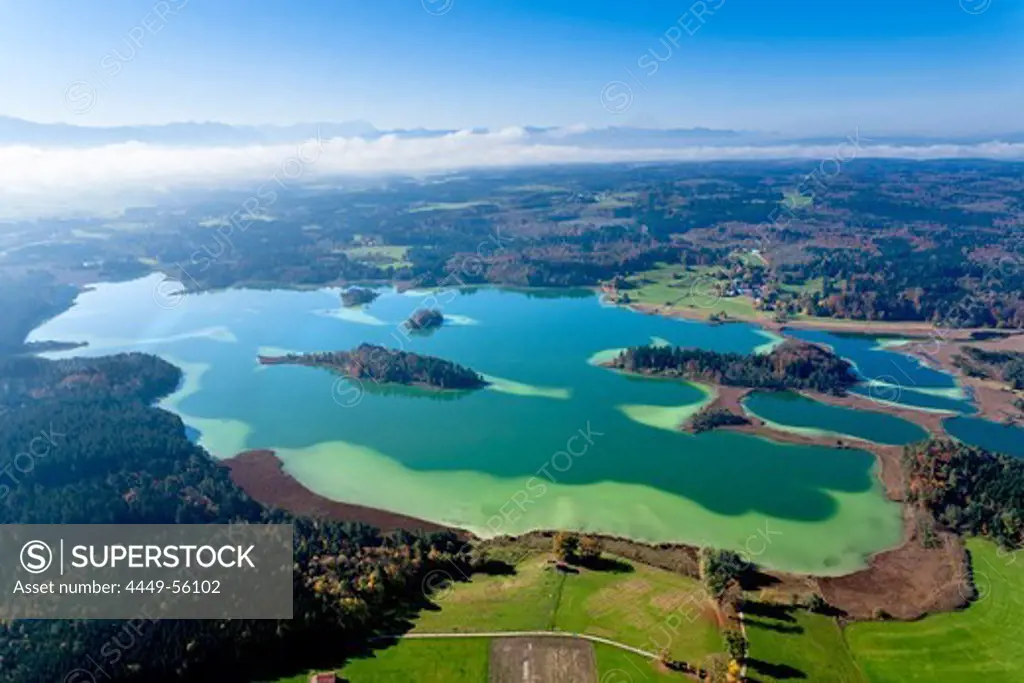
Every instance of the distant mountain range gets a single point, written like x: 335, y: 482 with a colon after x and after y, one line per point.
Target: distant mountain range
x: 14, y: 131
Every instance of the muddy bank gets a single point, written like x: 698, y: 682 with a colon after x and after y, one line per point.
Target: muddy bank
x: 994, y: 398
x: 907, y: 582
x: 259, y: 474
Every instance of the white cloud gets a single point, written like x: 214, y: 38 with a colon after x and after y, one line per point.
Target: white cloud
x: 38, y: 181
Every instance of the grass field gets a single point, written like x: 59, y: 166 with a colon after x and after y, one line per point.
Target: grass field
x: 637, y: 605
x: 814, y: 285
x: 634, y: 604
x: 387, y: 256
x: 525, y: 601
x: 618, y: 666
x: 433, y: 661
x: 788, y: 644
x: 695, y: 289
x: 978, y: 644
x: 647, y: 608
x: 794, y: 199
x: 449, y: 206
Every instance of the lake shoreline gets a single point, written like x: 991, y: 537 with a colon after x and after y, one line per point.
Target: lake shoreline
x: 261, y: 475
x: 897, y: 328
x: 860, y: 594
x: 993, y: 399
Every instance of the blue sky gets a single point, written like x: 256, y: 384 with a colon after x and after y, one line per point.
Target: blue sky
x: 806, y: 66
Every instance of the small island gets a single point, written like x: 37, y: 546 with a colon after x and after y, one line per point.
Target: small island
x: 425, y: 319
x: 791, y: 365
x: 357, y: 296
x: 711, y: 417
x: 387, y: 366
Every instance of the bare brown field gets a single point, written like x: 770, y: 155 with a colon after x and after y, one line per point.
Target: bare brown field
x: 542, y: 660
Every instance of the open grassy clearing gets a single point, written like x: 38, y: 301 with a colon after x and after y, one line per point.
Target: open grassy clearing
x: 616, y: 200
x: 812, y: 286
x: 795, y: 200
x: 750, y: 257
x: 423, y: 661
x: 618, y: 666
x: 635, y: 604
x: 450, y: 206
x: 647, y: 608
x: 979, y: 643
x: 697, y: 289
x: 456, y: 660
x: 788, y: 643
x: 524, y: 601
x: 388, y: 256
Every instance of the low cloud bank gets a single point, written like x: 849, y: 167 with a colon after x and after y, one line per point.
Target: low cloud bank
x: 53, y: 181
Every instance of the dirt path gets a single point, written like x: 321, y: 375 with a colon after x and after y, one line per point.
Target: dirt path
x: 534, y: 634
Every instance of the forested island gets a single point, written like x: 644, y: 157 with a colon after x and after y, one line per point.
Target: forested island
x: 425, y: 319
x: 358, y: 296
x: 791, y: 365
x: 387, y: 366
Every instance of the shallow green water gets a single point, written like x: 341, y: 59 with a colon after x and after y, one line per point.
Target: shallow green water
x: 790, y: 410
x: 556, y: 442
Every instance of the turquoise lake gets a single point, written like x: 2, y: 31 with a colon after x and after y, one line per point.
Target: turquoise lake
x: 554, y: 442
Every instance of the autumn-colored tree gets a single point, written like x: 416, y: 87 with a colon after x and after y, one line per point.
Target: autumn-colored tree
x: 590, y: 550
x: 716, y: 667
x: 566, y: 546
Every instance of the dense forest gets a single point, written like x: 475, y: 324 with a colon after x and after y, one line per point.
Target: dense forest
x: 791, y: 365
x: 969, y: 489
x: 388, y: 366
x: 27, y: 301
x: 884, y: 240
x: 902, y: 282
x: 95, y: 451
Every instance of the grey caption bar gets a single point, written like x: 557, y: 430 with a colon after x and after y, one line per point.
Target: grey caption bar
x: 146, y: 571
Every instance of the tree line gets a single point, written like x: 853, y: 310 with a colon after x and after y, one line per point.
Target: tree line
x: 968, y: 489
x: 81, y: 444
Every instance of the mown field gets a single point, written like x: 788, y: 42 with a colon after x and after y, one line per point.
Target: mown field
x: 631, y: 603
x: 788, y: 644
x: 695, y: 289
x: 977, y: 644
x: 384, y: 256
x: 634, y: 604
x: 427, y: 661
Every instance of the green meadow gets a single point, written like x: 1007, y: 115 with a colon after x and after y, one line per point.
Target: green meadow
x: 978, y: 644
